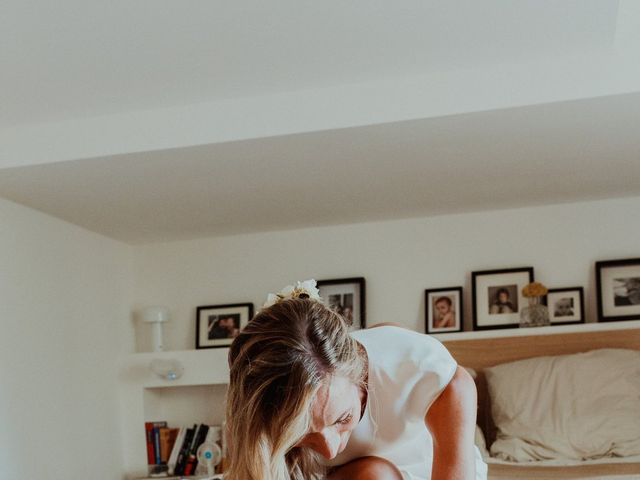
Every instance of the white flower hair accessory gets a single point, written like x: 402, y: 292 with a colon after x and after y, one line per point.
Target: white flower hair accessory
x: 306, y: 289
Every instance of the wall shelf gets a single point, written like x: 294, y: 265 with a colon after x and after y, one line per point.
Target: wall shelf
x: 198, y: 395
x: 201, y: 367
x: 552, y: 330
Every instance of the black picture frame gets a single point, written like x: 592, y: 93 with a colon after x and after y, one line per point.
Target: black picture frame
x: 330, y: 290
x: 489, y: 283
x: 618, y: 289
x: 577, y: 315
x: 432, y: 297
x: 209, y: 331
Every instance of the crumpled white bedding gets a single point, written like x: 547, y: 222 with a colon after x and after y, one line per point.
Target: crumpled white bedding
x: 569, y: 407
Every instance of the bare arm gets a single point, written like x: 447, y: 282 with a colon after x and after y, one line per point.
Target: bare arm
x: 451, y: 420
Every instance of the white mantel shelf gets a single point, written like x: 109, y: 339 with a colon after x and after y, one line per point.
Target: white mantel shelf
x: 552, y: 330
x: 201, y: 367
x: 209, y: 366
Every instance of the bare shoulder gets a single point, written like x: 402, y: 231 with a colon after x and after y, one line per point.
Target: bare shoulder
x: 461, y: 385
x: 458, y: 399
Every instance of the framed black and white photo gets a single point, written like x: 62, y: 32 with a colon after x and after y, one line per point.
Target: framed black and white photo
x: 443, y: 310
x: 218, y: 325
x: 347, y: 297
x: 566, y: 305
x: 618, y: 289
x: 497, y: 297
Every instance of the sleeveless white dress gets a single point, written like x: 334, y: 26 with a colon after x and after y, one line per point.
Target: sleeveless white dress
x: 407, y: 372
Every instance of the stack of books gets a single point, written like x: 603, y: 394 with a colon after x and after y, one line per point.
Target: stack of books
x: 172, y: 451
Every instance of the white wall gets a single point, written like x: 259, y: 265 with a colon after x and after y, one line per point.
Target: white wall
x: 64, y: 316
x: 399, y: 259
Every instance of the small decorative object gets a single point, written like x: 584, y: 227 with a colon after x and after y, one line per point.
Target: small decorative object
x: 168, y: 369
x: 497, y: 297
x: 536, y: 314
x: 209, y: 455
x: 306, y: 289
x: 443, y: 310
x: 566, y: 305
x: 218, y: 325
x: 347, y: 297
x: 156, y: 316
x: 618, y: 287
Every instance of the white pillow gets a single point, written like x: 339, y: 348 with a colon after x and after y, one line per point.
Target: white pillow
x: 573, y: 407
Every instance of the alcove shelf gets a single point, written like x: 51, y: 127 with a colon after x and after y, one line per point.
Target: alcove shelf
x: 201, y: 367
x: 196, y: 397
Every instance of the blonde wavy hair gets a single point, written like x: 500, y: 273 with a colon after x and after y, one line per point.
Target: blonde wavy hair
x: 277, y: 364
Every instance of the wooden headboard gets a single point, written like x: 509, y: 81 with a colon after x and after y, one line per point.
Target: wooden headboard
x: 486, y: 352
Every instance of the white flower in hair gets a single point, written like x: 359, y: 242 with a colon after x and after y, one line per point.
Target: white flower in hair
x: 306, y: 289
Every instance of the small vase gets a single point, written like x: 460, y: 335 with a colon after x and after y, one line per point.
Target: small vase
x: 535, y: 315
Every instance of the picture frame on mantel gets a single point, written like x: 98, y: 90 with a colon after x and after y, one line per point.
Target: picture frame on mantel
x: 497, y: 297
x: 443, y: 310
x: 566, y: 305
x: 347, y: 296
x: 618, y: 289
x: 218, y: 325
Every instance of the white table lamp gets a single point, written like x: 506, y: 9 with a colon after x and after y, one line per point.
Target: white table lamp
x: 156, y: 316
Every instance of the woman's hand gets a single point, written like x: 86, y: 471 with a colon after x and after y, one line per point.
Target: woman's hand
x: 451, y: 419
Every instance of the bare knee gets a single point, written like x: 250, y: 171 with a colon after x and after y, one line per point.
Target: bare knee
x: 367, y: 468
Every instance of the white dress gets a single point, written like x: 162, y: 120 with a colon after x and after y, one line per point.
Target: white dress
x: 407, y: 372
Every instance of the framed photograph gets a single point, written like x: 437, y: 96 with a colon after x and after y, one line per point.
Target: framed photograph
x: 347, y: 297
x: 443, y: 310
x: 618, y: 289
x: 566, y: 305
x: 497, y: 297
x: 218, y: 325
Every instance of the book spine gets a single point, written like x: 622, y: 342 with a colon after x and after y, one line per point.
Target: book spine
x: 177, y: 445
x: 184, y: 451
x: 188, y: 461
x: 156, y: 444
x: 156, y: 441
x: 192, y: 463
x: 151, y: 455
x: 165, y: 444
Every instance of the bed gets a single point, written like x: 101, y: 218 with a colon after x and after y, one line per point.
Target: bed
x: 484, y: 353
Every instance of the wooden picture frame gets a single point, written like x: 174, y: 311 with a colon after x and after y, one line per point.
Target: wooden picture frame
x: 347, y: 296
x: 497, y: 297
x: 218, y: 325
x: 618, y: 289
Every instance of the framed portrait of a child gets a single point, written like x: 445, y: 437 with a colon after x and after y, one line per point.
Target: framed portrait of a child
x: 443, y: 310
x: 497, y: 297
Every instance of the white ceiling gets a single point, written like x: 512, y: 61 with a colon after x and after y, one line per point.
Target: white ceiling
x: 79, y: 58
x: 535, y: 155
x: 160, y: 120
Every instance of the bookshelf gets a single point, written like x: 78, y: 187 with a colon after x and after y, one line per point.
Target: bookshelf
x: 196, y: 397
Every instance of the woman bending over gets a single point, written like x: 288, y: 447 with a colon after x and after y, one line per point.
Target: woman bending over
x: 309, y: 400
